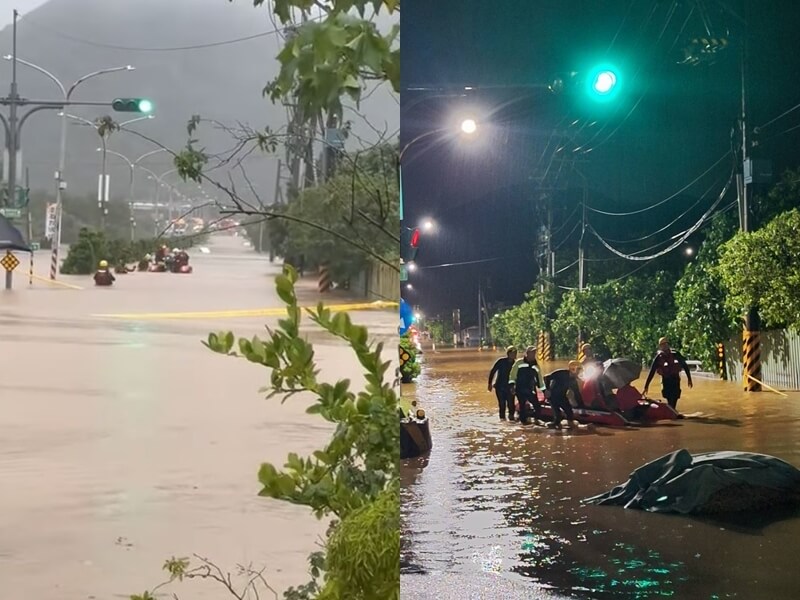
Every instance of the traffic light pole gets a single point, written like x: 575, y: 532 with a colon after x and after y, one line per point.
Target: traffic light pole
x: 13, y: 125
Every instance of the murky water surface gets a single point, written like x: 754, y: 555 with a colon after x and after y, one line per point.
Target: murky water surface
x: 494, y: 500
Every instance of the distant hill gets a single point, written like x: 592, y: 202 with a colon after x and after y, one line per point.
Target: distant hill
x: 69, y: 38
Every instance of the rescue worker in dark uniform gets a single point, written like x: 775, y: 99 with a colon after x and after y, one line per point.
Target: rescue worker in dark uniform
x: 558, y: 383
x: 669, y: 363
x: 526, y: 381
x: 502, y: 388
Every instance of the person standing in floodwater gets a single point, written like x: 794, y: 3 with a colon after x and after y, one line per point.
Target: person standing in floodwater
x: 526, y: 380
x: 558, y: 383
x: 502, y: 388
x: 668, y: 363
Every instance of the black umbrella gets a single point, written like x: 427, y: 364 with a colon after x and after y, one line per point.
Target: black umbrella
x: 10, y: 237
x: 621, y: 371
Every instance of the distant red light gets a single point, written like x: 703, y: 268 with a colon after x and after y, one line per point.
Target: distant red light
x: 415, y: 238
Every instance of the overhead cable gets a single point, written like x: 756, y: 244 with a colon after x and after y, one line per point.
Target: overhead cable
x: 665, y: 200
x: 682, y: 237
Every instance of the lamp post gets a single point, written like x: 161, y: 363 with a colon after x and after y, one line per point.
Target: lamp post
x: 132, y: 164
x: 104, y: 132
x: 61, y: 183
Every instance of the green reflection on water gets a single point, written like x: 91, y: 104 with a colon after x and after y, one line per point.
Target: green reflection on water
x: 638, y: 573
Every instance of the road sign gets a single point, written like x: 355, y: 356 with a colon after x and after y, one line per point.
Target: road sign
x: 51, y: 215
x: 403, y: 273
x: 11, y: 213
x: 9, y: 262
x: 35, y: 246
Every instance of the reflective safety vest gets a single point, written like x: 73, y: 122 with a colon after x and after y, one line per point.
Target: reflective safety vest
x: 668, y: 365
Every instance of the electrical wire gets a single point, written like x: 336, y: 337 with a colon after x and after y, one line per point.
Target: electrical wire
x: 468, y: 262
x: 682, y: 236
x: 569, y: 266
x: 671, y: 223
x: 641, y: 97
x: 680, y: 191
x: 78, y: 40
x: 780, y: 116
x: 566, y: 238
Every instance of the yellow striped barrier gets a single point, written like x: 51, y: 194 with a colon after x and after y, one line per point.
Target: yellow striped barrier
x: 245, y: 313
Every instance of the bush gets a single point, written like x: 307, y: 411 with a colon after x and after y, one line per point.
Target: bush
x: 410, y: 369
x: 93, y: 246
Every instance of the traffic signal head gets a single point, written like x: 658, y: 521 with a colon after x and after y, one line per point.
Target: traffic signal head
x: 409, y: 244
x: 603, y: 83
x: 140, y: 105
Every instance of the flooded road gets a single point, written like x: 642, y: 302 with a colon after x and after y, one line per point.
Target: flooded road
x: 495, y: 511
x: 123, y: 441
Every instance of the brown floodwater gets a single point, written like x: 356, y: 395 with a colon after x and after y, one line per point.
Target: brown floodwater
x: 496, y: 503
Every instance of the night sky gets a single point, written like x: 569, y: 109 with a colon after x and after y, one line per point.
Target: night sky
x: 669, y: 124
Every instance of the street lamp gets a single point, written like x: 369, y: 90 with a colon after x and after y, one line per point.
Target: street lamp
x: 132, y: 164
x: 428, y: 225
x: 469, y: 126
x: 61, y: 183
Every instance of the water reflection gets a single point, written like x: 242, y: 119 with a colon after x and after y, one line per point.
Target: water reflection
x: 495, y: 499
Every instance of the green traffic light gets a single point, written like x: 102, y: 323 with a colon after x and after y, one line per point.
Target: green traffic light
x: 145, y: 106
x: 603, y: 83
x: 140, y: 105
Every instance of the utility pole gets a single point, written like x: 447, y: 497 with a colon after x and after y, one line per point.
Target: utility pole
x: 480, y: 316
x: 751, y: 336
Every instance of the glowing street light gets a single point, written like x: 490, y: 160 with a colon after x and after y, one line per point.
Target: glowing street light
x: 428, y: 225
x: 409, y: 286
x: 412, y: 266
x: 469, y: 126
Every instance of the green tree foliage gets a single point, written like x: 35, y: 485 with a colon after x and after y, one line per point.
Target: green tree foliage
x: 619, y: 318
x: 702, y: 319
x: 441, y: 331
x: 326, y: 59
x: 359, y: 208
x: 521, y: 324
x: 411, y: 368
x: 762, y: 269
x: 354, y: 478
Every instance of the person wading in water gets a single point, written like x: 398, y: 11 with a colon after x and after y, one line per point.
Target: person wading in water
x: 669, y: 363
x: 502, y: 387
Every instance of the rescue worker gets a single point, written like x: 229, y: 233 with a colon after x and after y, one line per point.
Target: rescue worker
x: 558, y: 383
x: 103, y: 276
x: 161, y: 254
x: 668, y: 363
x: 502, y: 388
x: 526, y: 381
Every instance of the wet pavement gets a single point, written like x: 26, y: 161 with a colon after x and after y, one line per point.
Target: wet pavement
x: 495, y: 510
x: 123, y: 441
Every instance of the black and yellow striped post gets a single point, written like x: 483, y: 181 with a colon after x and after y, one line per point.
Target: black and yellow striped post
x: 404, y: 356
x: 751, y: 352
x: 582, y: 351
x: 721, y: 367
x: 547, y: 351
x: 540, y: 347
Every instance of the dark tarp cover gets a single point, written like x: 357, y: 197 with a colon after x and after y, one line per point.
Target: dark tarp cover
x: 10, y: 237
x: 709, y: 482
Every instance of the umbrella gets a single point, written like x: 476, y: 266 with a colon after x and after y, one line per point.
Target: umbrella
x: 10, y: 237
x: 621, y: 371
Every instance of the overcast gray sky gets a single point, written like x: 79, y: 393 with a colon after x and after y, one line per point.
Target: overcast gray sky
x: 7, y: 7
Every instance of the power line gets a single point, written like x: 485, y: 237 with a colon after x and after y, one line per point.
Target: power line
x: 671, y: 223
x: 86, y: 42
x: 780, y: 116
x: 665, y: 200
x: 682, y: 236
